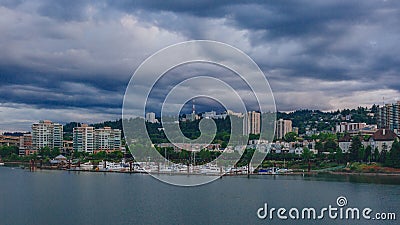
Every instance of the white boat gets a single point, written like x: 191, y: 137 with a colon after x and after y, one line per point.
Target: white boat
x: 210, y: 169
x: 111, y: 166
x: 1, y: 164
x: 86, y: 166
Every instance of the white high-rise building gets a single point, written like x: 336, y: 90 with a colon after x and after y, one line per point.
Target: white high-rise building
x: 83, y: 139
x: 251, y: 123
x: 388, y: 116
x: 107, y: 139
x: 47, y: 134
x: 90, y: 140
x: 151, y: 117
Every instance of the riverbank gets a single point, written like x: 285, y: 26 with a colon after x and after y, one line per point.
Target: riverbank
x: 293, y: 173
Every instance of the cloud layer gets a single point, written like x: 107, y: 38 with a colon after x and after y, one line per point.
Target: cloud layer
x: 72, y: 60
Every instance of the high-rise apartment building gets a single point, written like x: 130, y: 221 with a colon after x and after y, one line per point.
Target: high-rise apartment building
x: 251, y: 123
x: 47, y: 134
x: 388, y: 116
x: 107, y: 139
x: 282, y: 127
x: 90, y: 140
x: 83, y: 139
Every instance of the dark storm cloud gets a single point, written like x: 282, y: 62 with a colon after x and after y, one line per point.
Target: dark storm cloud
x: 64, y: 10
x: 327, y: 31
x: 61, y: 95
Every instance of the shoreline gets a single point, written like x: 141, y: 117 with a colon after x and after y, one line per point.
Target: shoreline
x: 296, y: 173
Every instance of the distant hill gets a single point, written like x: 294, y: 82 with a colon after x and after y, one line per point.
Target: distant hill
x: 117, y: 124
x: 302, y: 119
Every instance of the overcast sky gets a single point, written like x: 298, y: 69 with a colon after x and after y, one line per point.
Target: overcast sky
x: 72, y: 60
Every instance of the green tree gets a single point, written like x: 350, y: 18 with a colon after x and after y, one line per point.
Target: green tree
x: 307, y: 154
x: 7, y: 151
x: 376, y: 155
x: 339, y: 157
x: 319, y: 146
x: 55, y: 152
x: 184, y: 155
x: 205, y: 155
x: 368, y: 153
x: 361, y: 154
x: 115, y: 155
x: 354, y: 149
x: 291, y: 137
x: 393, y: 159
x: 330, y: 145
x: 383, y: 156
x: 45, y: 151
x: 14, y: 157
x: 100, y: 155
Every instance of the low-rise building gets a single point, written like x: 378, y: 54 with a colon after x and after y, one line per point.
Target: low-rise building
x: 346, y: 127
x: 68, y: 147
x: 25, y: 145
x: 6, y: 140
x: 213, y: 115
x: 345, y: 143
x: 383, y: 139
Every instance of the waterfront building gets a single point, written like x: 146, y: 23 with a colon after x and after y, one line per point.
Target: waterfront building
x: 383, y: 139
x: 107, y: 139
x: 83, y: 139
x: 345, y: 143
x: 282, y: 127
x: 251, y: 123
x: 91, y: 140
x: 47, y: 134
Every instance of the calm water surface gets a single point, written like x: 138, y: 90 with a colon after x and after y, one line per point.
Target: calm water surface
x: 61, y: 197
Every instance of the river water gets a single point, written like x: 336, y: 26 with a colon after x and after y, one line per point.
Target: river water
x: 62, y: 197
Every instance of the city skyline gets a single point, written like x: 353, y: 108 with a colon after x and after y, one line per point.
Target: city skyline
x: 202, y: 114
x: 76, y: 64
